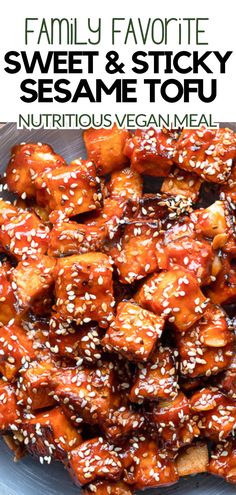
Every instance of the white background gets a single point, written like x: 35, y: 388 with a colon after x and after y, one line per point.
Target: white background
x: 220, y: 35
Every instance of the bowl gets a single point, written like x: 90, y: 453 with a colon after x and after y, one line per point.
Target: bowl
x: 28, y: 476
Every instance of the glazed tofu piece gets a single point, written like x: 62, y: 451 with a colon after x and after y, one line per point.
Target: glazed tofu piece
x: 69, y: 190
x: 151, y: 151
x: 84, y: 289
x: 149, y: 466
x: 218, y: 223
x: 126, y: 184
x: 7, y: 296
x: 94, y: 460
x: 193, y: 459
x: 107, y: 488
x: 32, y: 279
x: 7, y: 211
x: 195, y: 255
x: 15, y: 350
x: 67, y: 238
x: 33, y: 385
x: 108, y: 219
x: 181, y: 183
x: 27, y: 162
x: 228, y: 190
x: 75, y: 343
x: 134, y: 332
x: 216, y: 413
x: 223, y: 290
x: 227, y: 383
x: 174, y: 294
x: 135, y: 254
x: 173, y: 421
x: 157, y: 379
x: 105, y: 148
x: 208, y: 153
x: 223, y: 461
x: 50, y: 435
x: 86, y: 393
x: 207, y: 348
x: 9, y: 410
x: 121, y: 423
x: 24, y: 236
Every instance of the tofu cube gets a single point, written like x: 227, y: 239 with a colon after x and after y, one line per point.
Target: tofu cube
x: 70, y: 190
x: 134, y: 332
x: 181, y: 183
x: 7, y: 296
x: 157, y: 379
x: 195, y: 255
x: 28, y: 160
x: 135, y: 255
x: 93, y: 460
x: 67, y: 238
x: 126, y: 184
x: 50, y: 435
x: 84, y: 289
x: 33, y: 385
x: 85, y: 393
x: 32, y: 279
x: 24, y: 236
x: 151, y: 151
x: 208, y: 153
x: 105, y: 148
x: 9, y: 410
x: 15, y: 350
x: 175, y: 294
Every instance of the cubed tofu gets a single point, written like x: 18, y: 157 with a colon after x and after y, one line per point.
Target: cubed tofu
x: 197, y: 359
x: 157, y: 379
x: 94, y: 460
x: 15, y: 350
x: 121, y: 423
x: 134, y: 332
x: 9, y: 410
x: 211, y: 221
x: 149, y: 466
x: 67, y: 238
x: 108, y: 219
x: 33, y: 385
x: 28, y: 160
x: 107, y: 488
x: 151, y: 151
x: 24, y: 236
x: 216, y: 413
x: 174, y: 293
x: 32, y: 279
x: 173, y: 421
x: 85, y: 392
x: 50, y: 435
x: 208, y: 153
x: 135, y: 255
x: 7, y: 211
x: 223, y: 290
x: 223, y: 461
x: 105, y: 148
x: 126, y: 184
x: 75, y: 343
x: 84, y: 289
x: 195, y: 255
x: 70, y: 190
x: 227, y: 382
x: 193, y: 459
x: 7, y: 296
x: 228, y: 190
x: 181, y: 183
